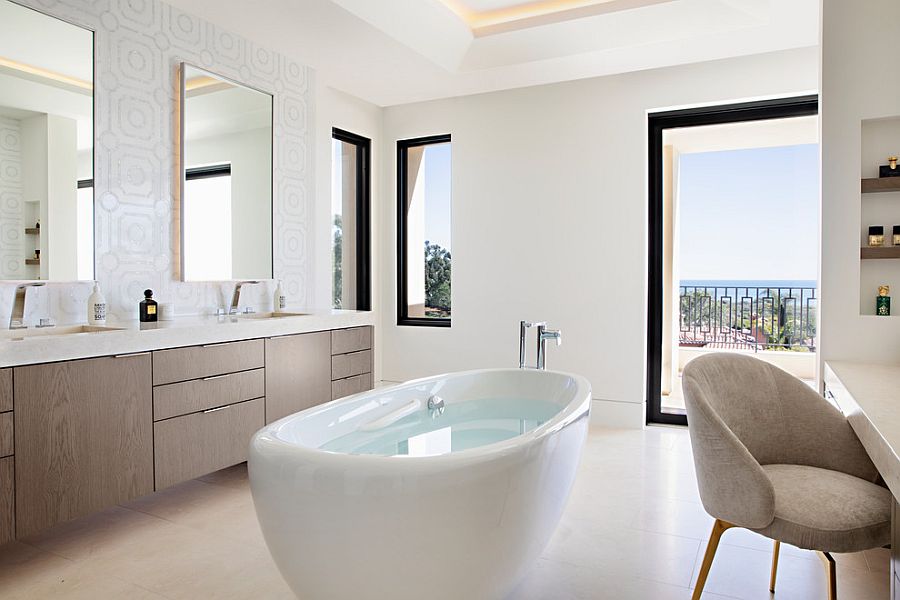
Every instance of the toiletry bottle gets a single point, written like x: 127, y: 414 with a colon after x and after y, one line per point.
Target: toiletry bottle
x: 96, y: 307
x: 147, y: 308
x: 876, y: 235
x: 280, y: 298
x: 883, y: 301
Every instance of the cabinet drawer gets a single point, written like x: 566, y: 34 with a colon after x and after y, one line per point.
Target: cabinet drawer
x: 7, y: 493
x: 193, y: 445
x: 348, y: 365
x: 6, y: 434
x: 6, y: 390
x: 182, y: 364
x: 177, y: 399
x: 351, y: 385
x: 351, y: 340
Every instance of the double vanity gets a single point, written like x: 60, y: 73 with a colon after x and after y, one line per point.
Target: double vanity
x: 92, y: 419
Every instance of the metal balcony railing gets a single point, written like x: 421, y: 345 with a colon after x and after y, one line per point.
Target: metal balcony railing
x: 748, y: 318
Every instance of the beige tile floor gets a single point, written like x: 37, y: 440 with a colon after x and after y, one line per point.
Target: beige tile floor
x: 634, y: 528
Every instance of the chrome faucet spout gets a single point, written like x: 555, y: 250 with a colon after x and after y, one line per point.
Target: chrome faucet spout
x: 236, y: 297
x: 543, y: 334
x: 17, y: 315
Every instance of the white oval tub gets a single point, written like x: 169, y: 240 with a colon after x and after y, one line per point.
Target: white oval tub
x: 464, y: 524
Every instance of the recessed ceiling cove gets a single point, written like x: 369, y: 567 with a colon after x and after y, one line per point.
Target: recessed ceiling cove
x: 398, y: 51
x: 488, y: 17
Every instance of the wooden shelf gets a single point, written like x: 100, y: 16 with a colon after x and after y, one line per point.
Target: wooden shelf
x: 867, y: 252
x: 875, y: 185
x: 32, y: 231
x: 32, y: 261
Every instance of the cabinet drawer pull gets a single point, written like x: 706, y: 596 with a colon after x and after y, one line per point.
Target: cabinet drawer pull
x: 216, y: 345
x: 212, y: 410
x: 131, y: 355
x: 214, y: 377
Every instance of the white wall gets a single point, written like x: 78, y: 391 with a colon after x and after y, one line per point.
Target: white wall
x: 550, y: 217
x: 337, y: 109
x: 858, y: 39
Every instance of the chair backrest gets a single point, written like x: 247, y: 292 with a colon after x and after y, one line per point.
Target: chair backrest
x: 742, y: 413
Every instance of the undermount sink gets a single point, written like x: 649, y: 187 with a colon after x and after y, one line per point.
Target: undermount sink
x: 31, y: 332
x: 270, y: 315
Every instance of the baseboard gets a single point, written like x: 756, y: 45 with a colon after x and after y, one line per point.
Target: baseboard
x: 618, y: 415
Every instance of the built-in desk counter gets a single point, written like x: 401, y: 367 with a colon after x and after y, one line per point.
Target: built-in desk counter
x: 869, y: 395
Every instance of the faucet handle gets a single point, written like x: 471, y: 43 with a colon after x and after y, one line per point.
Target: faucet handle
x: 553, y: 334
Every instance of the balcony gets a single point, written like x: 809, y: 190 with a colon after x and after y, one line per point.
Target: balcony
x: 776, y: 324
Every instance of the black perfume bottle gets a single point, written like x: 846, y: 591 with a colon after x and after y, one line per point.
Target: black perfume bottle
x: 147, y: 308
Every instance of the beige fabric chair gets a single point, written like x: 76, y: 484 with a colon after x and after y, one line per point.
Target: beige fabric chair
x: 774, y: 457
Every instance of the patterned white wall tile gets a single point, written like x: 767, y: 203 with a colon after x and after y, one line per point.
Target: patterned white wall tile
x: 12, y: 221
x: 138, y: 45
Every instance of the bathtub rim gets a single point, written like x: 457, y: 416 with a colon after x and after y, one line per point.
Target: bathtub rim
x: 266, y: 440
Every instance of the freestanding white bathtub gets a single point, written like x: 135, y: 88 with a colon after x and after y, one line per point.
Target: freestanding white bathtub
x: 376, y: 496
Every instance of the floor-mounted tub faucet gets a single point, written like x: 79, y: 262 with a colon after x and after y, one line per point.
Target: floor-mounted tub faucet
x: 17, y: 315
x: 543, y: 335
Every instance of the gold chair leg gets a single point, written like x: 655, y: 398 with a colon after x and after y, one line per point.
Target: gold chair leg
x: 719, y: 527
x: 774, y: 566
x: 830, y: 572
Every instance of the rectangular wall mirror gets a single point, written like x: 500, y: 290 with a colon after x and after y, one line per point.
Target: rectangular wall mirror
x: 46, y: 147
x: 226, y: 185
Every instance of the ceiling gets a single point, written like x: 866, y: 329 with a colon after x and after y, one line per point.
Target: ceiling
x: 399, y: 51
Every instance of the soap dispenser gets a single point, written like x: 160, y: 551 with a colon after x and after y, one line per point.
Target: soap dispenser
x: 280, y: 298
x: 96, y: 307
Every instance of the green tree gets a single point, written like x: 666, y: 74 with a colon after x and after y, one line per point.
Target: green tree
x: 437, y: 280
x: 337, y: 257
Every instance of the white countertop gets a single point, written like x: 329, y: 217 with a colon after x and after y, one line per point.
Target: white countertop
x: 869, y: 396
x: 183, y: 331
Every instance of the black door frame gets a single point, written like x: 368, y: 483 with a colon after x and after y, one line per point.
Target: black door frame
x: 779, y: 108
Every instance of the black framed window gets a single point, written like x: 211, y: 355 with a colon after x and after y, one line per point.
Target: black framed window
x: 658, y: 123
x: 350, y: 221
x: 423, y: 231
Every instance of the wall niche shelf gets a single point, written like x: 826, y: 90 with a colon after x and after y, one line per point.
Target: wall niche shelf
x: 867, y: 252
x: 875, y: 185
x: 33, y: 261
x: 32, y: 231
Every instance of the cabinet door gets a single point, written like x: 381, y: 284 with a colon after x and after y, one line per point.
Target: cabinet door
x: 84, y: 438
x: 298, y: 373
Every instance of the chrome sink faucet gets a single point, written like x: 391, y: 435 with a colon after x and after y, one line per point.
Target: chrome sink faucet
x: 236, y: 297
x: 543, y: 334
x: 17, y: 315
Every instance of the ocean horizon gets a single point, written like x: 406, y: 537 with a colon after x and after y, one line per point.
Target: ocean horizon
x: 773, y: 283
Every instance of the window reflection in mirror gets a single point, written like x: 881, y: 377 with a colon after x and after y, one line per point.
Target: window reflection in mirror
x: 46, y: 147
x: 226, y: 190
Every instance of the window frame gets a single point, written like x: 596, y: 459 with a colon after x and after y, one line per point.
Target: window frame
x: 403, y: 318
x: 363, y: 214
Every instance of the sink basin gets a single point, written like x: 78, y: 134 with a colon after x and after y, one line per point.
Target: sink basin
x: 32, y: 332
x: 270, y: 315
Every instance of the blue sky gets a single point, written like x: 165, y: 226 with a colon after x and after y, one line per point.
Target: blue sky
x: 437, y: 194
x: 749, y: 214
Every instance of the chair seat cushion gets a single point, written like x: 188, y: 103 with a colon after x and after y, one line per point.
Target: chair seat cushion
x: 820, y: 509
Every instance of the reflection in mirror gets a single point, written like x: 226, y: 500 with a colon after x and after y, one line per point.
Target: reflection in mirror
x: 46, y: 147
x: 226, y: 188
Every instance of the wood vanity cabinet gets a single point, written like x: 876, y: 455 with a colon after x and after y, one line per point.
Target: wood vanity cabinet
x: 208, y: 401
x: 83, y: 438
x: 298, y: 373
x: 351, y: 361
x: 7, y: 470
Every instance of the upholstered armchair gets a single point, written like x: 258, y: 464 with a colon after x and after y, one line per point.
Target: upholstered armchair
x: 775, y: 457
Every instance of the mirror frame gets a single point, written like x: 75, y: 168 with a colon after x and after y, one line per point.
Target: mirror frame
x: 182, y: 168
